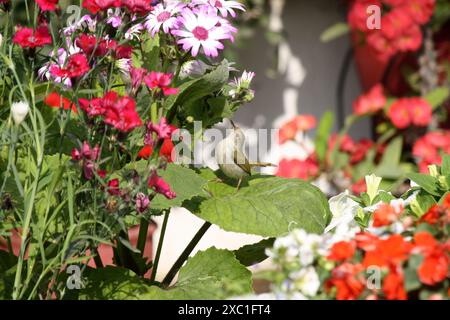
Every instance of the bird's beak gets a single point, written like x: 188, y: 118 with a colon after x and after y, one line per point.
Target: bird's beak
x: 232, y: 123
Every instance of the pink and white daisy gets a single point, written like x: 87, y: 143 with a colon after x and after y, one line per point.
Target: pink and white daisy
x: 163, y: 16
x: 225, y: 7
x: 201, y: 28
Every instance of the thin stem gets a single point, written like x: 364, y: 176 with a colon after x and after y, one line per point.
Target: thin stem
x: 97, y: 259
x: 142, y: 238
x: 160, y: 244
x: 185, y: 255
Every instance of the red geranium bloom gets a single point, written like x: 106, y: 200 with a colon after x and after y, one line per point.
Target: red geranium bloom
x: 371, y: 102
x: 301, y: 169
x: 28, y: 38
x: 385, y: 215
x: 419, y: 10
x: 305, y: 122
x: 47, y: 5
x: 420, y: 111
x: 162, y: 81
x: 410, y: 39
x: 358, y: 15
x: 54, y: 100
x: 435, y: 266
x: 77, y: 65
x: 95, y: 6
x: 342, y: 250
x: 399, y: 113
x: 348, y: 281
x: 287, y: 132
x: 387, y: 252
x: 393, y: 286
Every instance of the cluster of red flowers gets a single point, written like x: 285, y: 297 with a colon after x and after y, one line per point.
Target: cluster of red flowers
x: 117, y: 111
x: 300, y: 169
x: 77, y: 65
x: 47, y: 5
x: 134, y: 6
x: 428, y: 149
x: 54, y: 100
x: 391, y: 253
x: 90, y: 45
x: 371, y: 102
x: 405, y: 112
x: 300, y: 123
x: 400, y: 24
x: 29, y: 38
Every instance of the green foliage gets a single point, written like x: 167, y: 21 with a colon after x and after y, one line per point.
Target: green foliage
x: 268, y: 206
x: 212, y: 274
x: 254, y: 253
x: 335, y: 31
x: 322, y: 135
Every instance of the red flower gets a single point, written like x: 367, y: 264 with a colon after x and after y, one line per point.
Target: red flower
x: 433, y: 215
x: 387, y: 252
x: 342, y: 250
x: 346, y: 143
x: 348, y: 281
x: 385, y: 215
x: 371, y: 102
x: 160, y: 186
x: 420, y: 112
x: 47, y: 5
x: 301, y: 169
x: 54, y: 100
x: 305, y: 122
x: 287, y: 132
x: 359, y: 186
x: 166, y: 150
x: 393, y: 286
x: 95, y: 6
x: 435, y: 266
x: 138, y: 6
x: 358, y: 15
x: 113, y: 187
x: 159, y: 80
x: 122, y: 114
x: 90, y: 45
x: 419, y: 10
x: 77, y: 65
x: 399, y: 114
x: 28, y: 38
x: 360, y: 150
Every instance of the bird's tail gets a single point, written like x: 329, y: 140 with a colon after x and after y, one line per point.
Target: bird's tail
x: 263, y: 164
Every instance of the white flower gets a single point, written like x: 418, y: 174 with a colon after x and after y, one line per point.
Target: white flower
x: 134, y: 32
x: 306, y: 281
x: 372, y: 183
x: 344, y: 210
x: 19, y: 111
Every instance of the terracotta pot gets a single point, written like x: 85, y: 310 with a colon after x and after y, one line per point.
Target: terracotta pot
x: 105, y: 251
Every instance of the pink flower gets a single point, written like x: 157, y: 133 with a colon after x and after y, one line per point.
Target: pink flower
x: 137, y: 77
x: 142, y: 202
x: 201, y: 29
x: 161, y: 81
x: 89, y: 156
x: 399, y: 114
x: 163, y: 130
x: 160, y: 186
x: 421, y: 112
x: 77, y: 66
x: 163, y: 16
x: 122, y: 115
x: 371, y: 102
x: 301, y: 169
x: 357, y: 15
x: 225, y: 7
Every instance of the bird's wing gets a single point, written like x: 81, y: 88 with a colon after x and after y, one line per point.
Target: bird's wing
x: 242, y: 162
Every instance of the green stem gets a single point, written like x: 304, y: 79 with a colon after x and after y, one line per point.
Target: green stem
x: 160, y: 244
x: 142, y: 238
x: 185, y: 255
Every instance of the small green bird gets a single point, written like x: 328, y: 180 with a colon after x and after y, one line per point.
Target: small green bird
x: 231, y: 158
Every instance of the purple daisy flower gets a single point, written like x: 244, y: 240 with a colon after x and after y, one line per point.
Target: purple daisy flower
x: 201, y: 29
x: 223, y: 6
x: 163, y: 16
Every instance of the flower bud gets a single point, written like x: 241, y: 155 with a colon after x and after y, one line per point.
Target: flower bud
x: 19, y: 111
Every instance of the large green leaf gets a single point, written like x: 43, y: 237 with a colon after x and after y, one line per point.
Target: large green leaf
x: 254, y: 253
x: 428, y: 183
x: 437, y: 97
x: 185, y: 182
x: 211, y: 274
x: 389, y: 166
x: 268, y: 206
